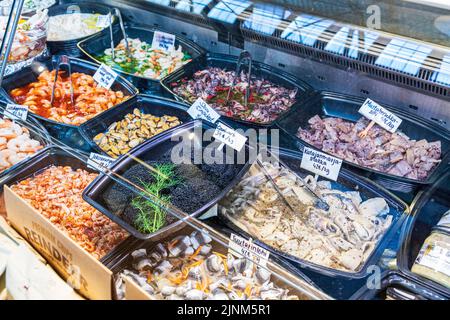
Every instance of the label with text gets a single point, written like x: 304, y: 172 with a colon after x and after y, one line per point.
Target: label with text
x: 241, y: 247
x: 384, y: 118
x: 16, y: 112
x: 230, y: 137
x: 103, y: 21
x: 201, y: 110
x: 105, y: 76
x: 321, y: 163
x: 162, y: 40
x: 99, y: 162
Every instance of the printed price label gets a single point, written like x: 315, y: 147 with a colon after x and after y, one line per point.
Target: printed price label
x: 201, y: 110
x: 246, y: 248
x: 16, y: 112
x: 321, y: 163
x: 99, y: 162
x: 384, y: 118
x: 163, y: 41
x: 229, y: 136
x: 435, y: 257
x: 103, y: 21
x: 105, y: 76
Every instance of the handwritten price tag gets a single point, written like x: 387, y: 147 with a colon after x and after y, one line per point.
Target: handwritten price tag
x: 105, y: 76
x: 16, y: 112
x: 201, y: 110
x: 103, y: 21
x: 384, y: 118
x: 99, y: 162
x: 321, y: 163
x: 229, y: 136
x: 163, y: 41
x: 246, y: 248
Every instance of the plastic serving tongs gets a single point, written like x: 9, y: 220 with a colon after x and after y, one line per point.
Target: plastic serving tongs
x: 116, y: 13
x: 244, y: 56
x: 62, y: 61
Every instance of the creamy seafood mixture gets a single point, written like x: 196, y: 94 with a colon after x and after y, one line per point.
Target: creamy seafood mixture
x: 188, y: 268
x: 341, y: 238
x: 65, y: 27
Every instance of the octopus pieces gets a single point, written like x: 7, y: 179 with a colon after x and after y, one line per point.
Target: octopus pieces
x: 392, y: 153
x: 56, y: 193
x: 89, y: 98
x: 266, y: 102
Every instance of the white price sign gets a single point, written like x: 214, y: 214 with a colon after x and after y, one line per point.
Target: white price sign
x: 321, y: 163
x: 241, y: 247
x: 103, y: 21
x: 163, y: 41
x: 201, y: 110
x: 105, y: 76
x: 99, y: 162
x: 229, y: 136
x: 16, y: 112
x: 384, y: 118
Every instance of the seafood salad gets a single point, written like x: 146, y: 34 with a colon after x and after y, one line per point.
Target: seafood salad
x: 89, y: 98
x: 30, y: 38
x: 132, y: 130
x: 266, y: 101
x: 392, y: 153
x: 15, y: 144
x: 72, y: 26
x: 342, y: 238
x: 56, y: 194
x: 188, y: 268
x: 144, y: 61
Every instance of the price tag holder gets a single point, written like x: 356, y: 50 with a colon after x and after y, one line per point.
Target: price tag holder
x: 321, y: 163
x: 99, y: 162
x: 163, y: 41
x: 201, y: 110
x: 229, y: 137
x: 103, y: 21
x: 384, y: 118
x: 16, y: 112
x: 105, y: 76
x: 243, y: 248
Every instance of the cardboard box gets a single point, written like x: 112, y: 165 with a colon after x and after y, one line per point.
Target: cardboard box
x: 85, y: 273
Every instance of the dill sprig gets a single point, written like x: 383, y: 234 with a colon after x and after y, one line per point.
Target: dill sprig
x: 151, y: 216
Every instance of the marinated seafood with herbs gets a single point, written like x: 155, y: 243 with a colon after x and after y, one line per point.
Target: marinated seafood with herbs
x: 144, y: 61
x: 56, y: 193
x: 89, y: 98
x: 72, y: 26
x: 15, y: 144
x: 134, y: 129
x: 341, y: 238
x: 188, y: 268
x: 30, y: 38
x: 266, y: 101
x: 392, y: 153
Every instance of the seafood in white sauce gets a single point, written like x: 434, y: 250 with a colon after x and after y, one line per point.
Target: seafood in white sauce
x: 189, y: 268
x: 341, y: 238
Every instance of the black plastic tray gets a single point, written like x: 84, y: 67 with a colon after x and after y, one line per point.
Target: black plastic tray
x: 69, y: 47
x: 58, y: 157
x: 37, y: 132
x: 96, y: 45
x: 427, y: 209
x: 151, y: 149
x: 259, y: 69
x: 66, y: 133
x: 146, y: 104
x: 329, y: 104
x: 396, y: 280
x: 346, y: 181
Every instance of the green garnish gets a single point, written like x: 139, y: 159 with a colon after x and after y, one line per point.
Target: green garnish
x: 151, y: 216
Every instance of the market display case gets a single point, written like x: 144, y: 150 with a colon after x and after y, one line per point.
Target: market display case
x: 230, y: 150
